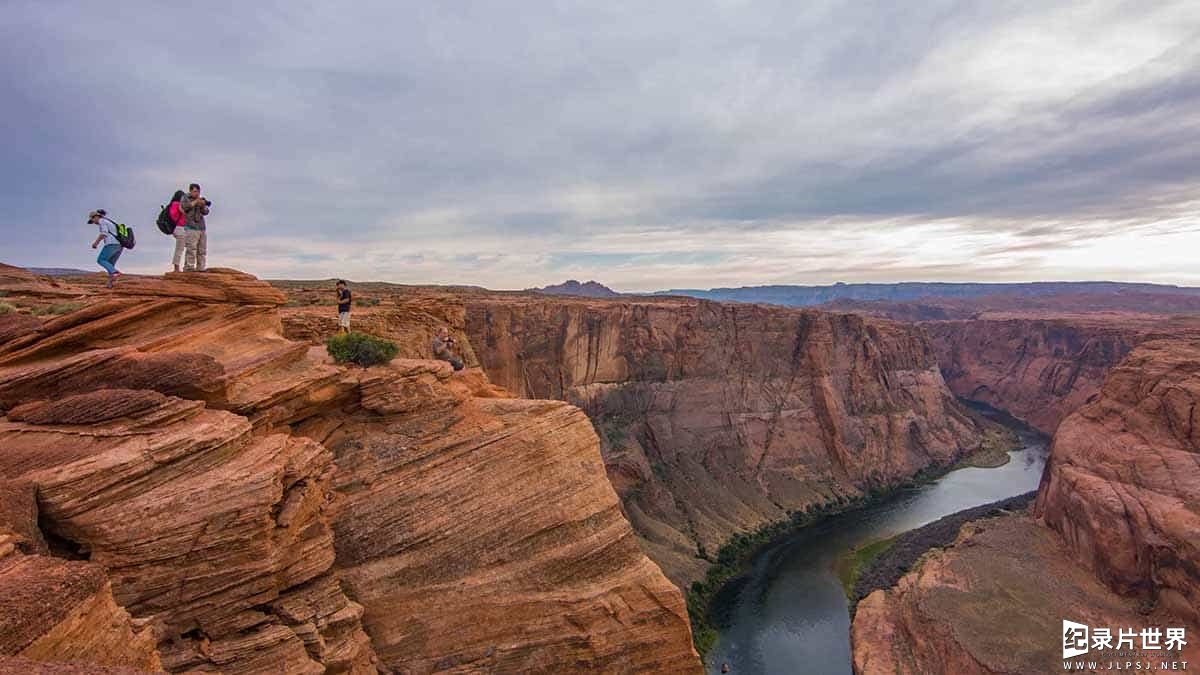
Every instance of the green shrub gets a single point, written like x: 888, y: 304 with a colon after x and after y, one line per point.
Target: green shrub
x: 57, y: 310
x: 360, y: 348
x: 6, y: 308
x: 369, y: 302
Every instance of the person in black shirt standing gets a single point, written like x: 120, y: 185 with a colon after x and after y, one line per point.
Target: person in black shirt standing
x: 343, y: 294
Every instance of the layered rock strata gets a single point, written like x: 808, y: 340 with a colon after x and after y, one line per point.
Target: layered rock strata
x: 456, y: 531
x: 54, y: 609
x: 482, y: 536
x: 169, y: 472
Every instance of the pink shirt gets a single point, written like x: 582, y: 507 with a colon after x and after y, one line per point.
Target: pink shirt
x: 176, y: 214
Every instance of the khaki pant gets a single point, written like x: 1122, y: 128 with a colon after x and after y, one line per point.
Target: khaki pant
x: 202, y: 251
x: 180, y: 245
x: 192, y: 246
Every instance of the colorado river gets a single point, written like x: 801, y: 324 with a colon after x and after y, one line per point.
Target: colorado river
x: 790, y: 616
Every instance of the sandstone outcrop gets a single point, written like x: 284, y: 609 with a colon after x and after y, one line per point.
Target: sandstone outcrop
x: 1122, y: 485
x: 718, y: 419
x: 59, y: 610
x: 496, y: 510
x: 993, y: 603
x: 410, y: 321
x: 55, y: 609
x: 17, y: 281
x: 166, y: 473
x: 256, y: 508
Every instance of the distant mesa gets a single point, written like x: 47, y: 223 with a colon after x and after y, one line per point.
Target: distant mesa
x: 590, y: 289
x: 807, y: 296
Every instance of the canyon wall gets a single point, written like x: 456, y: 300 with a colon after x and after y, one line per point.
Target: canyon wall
x: 1111, y: 542
x: 717, y: 419
x: 1039, y: 370
x: 234, y: 499
x: 1122, y: 486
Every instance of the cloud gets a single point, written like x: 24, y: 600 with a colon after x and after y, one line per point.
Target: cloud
x: 679, y: 144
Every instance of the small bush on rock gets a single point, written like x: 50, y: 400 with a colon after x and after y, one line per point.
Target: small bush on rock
x: 360, y: 348
x: 58, y: 310
x: 6, y: 308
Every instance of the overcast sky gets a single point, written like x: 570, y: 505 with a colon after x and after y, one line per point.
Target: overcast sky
x: 647, y: 145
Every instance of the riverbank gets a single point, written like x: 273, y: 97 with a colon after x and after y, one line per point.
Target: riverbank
x: 998, y: 441
x: 895, y: 560
x: 782, y: 606
x: 851, y: 566
x: 726, y: 575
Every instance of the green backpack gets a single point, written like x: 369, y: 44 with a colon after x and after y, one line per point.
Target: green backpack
x: 124, y: 234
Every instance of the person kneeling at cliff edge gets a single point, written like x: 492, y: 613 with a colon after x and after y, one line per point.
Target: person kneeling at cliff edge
x: 344, y: 301
x: 442, y: 344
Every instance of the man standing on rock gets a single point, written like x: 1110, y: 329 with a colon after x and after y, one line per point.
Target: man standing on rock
x: 195, y: 207
x: 344, y: 301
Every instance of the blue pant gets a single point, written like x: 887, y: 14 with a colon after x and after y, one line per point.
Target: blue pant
x: 108, y: 258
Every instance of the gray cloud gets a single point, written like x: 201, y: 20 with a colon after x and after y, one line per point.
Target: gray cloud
x: 739, y: 142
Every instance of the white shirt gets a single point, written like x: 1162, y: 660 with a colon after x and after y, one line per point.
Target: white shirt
x: 109, y: 231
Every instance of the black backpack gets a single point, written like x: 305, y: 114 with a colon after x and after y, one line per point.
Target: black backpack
x: 165, y: 225
x: 124, y: 234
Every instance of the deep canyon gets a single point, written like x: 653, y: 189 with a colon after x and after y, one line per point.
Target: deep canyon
x: 200, y: 488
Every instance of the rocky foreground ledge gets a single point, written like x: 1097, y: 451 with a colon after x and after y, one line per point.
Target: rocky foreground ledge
x: 184, y: 488
x: 1111, y: 542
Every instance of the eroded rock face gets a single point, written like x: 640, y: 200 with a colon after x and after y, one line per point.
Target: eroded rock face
x: 1039, y: 370
x: 992, y: 604
x: 717, y: 419
x: 158, y: 434
x: 55, y: 609
x: 169, y: 475
x: 1122, y: 485
x: 481, y: 535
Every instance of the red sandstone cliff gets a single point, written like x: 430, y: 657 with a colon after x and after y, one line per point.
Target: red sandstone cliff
x: 1039, y: 358
x: 1039, y: 370
x: 717, y: 419
x: 1122, y: 485
x: 235, y: 491
x: 1116, y: 543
